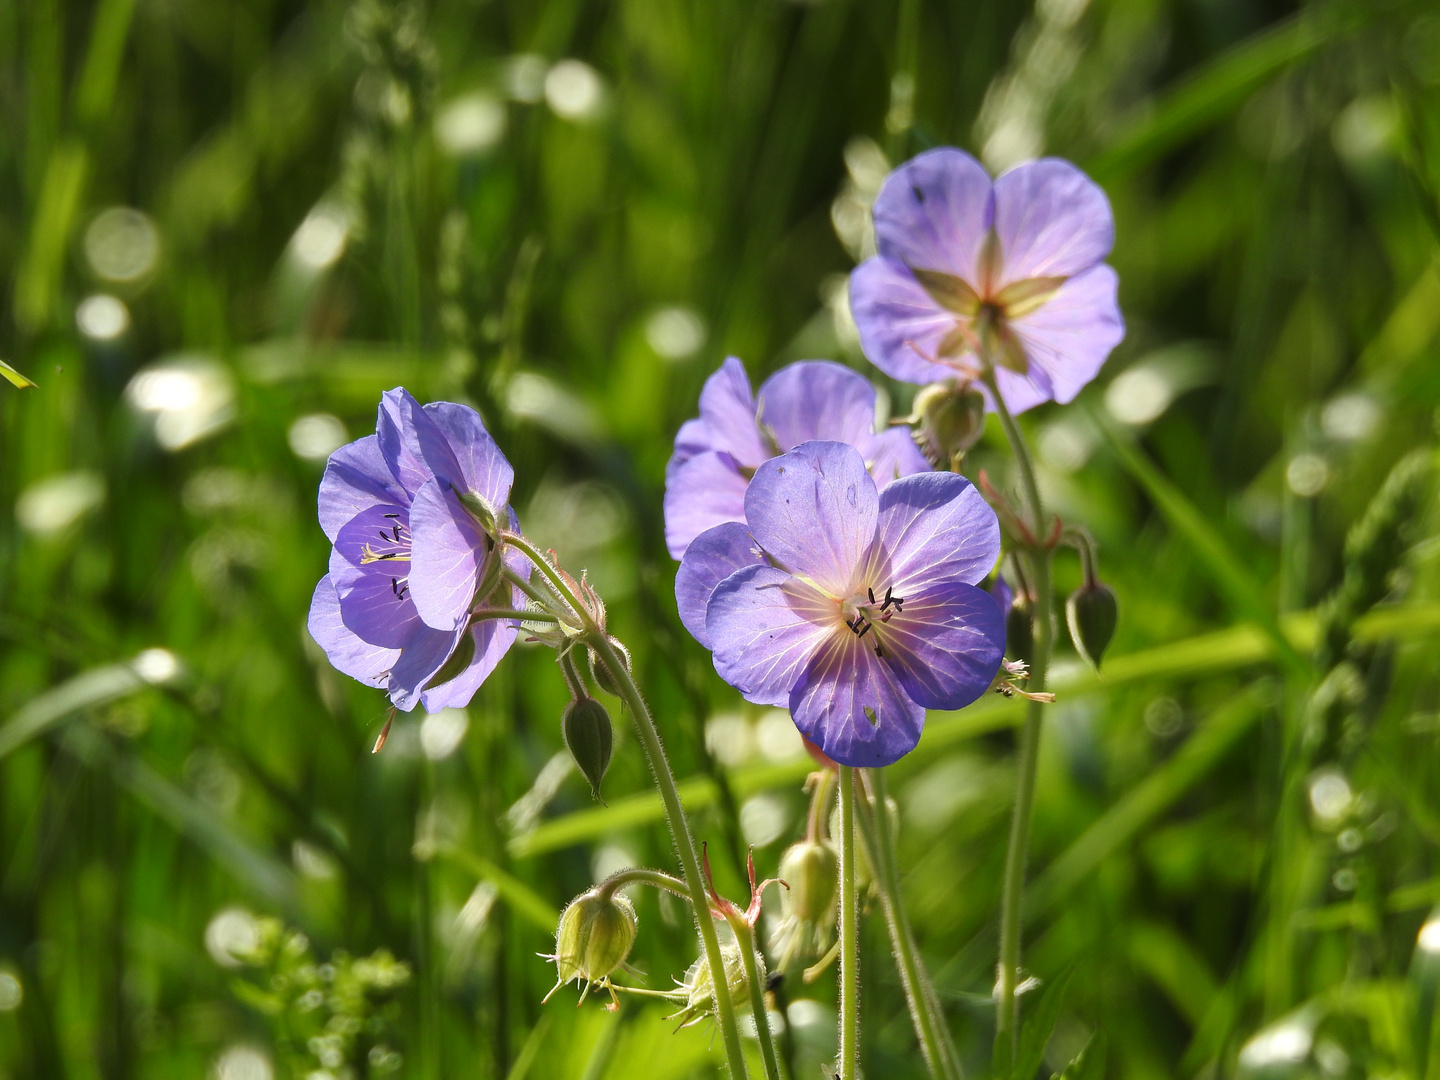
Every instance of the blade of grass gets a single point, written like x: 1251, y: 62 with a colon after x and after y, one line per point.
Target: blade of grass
x: 523, y: 900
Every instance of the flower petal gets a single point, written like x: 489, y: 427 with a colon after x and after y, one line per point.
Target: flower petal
x: 933, y: 213
x: 356, y: 478
x: 893, y: 454
x: 901, y: 326
x: 1070, y: 336
x: 854, y: 706
x: 348, y: 653
x: 814, y: 510
x: 693, y: 438
x: 947, y: 644
x: 446, y: 555
x: 373, y: 601
x: 932, y: 527
x: 764, y: 627
x: 706, y: 491
x: 493, y: 638
x: 419, y: 662
x: 464, y: 440
x: 395, y: 429
x: 817, y: 399
x: 1051, y: 220
x: 711, y: 558
x: 728, y: 409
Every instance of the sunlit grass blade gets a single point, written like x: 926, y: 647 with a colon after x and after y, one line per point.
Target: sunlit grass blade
x: 86, y: 690
x: 13, y: 377
x: 523, y: 900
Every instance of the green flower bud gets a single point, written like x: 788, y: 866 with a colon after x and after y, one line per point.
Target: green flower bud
x: 589, y: 738
x: 594, y: 937
x: 699, y: 987
x: 601, y: 673
x: 1091, y: 613
x: 808, y: 908
x: 952, y: 419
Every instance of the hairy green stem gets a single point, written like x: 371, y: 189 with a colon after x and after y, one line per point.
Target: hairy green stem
x: 849, y: 936
x: 929, y: 1021
x: 1012, y: 895
x: 745, y: 938
x: 639, y: 875
x: 598, y: 640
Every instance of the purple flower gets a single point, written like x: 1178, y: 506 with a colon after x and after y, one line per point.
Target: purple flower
x: 1010, y: 268
x: 409, y: 562
x: 854, y: 606
x: 716, y: 455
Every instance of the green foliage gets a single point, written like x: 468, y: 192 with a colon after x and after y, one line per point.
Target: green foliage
x: 226, y: 226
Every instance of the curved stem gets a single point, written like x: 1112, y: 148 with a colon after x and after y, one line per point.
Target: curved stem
x: 684, y: 842
x: 639, y: 875
x: 745, y: 938
x: 924, y: 1009
x: 547, y: 568
x: 525, y: 587
x: 1012, y: 896
x: 849, y: 952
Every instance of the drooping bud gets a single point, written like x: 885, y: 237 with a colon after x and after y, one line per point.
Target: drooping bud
x: 1020, y: 630
x: 1091, y: 613
x: 589, y: 738
x: 808, y: 908
x: 699, y: 986
x: 594, y: 937
x: 951, y: 416
x: 601, y: 673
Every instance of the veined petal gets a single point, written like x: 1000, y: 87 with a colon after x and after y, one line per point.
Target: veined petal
x: 356, y: 478
x: 893, y: 454
x: 394, y: 428
x: 418, y: 663
x: 902, y: 329
x: 817, y: 399
x: 693, y: 438
x: 1070, y: 336
x: 711, y: 558
x: 813, y: 510
x: 446, y: 554
x: 493, y: 638
x: 374, y: 602
x: 458, y: 435
x: 932, y: 527
x: 947, y: 644
x: 933, y: 213
x: 764, y: 627
x: 728, y: 409
x: 854, y: 706
x: 347, y: 652
x: 1051, y: 220
x: 706, y: 491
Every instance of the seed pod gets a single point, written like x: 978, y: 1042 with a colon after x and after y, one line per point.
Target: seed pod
x: 601, y: 673
x: 699, y: 987
x: 589, y: 738
x: 1091, y: 613
x: 594, y: 937
x: 952, y: 419
x: 1019, y: 631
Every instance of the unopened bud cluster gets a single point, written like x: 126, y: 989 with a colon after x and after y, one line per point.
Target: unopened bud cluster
x: 595, y: 935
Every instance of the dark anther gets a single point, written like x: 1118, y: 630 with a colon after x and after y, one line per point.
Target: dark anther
x: 384, y: 535
x: 879, y: 650
x: 389, y: 555
x: 886, y: 616
x: 397, y: 534
x: 392, y: 515
x: 773, y: 980
x: 395, y: 586
x: 863, y: 630
x: 872, y: 595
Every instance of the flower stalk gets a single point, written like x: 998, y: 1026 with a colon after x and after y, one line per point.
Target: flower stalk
x: 1013, y: 889
x: 849, y: 936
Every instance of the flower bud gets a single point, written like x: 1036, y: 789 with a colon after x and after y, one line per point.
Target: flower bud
x: 599, y: 671
x: 594, y: 937
x: 1019, y: 631
x: 952, y: 419
x: 589, y: 738
x: 699, y: 987
x: 1091, y: 613
x: 808, y: 907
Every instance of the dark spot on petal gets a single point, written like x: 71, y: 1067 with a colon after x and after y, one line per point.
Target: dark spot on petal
x: 851, y: 497
x: 919, y: 195
x: 870, y: 715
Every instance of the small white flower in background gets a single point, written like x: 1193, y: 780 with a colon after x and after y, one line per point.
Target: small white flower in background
x: 573, y: 90
x: 231, y: 934
x: 441, y: 732
x: 157, y: 666
x: 470, y: 124
x: 190, y: 396
x: 320, y: 240
x: 102, y: 317
x: 122, y: 244
x: 243, y: 1063
x: 51, y: 505
x: 675, y: 333
x: 316, y: 436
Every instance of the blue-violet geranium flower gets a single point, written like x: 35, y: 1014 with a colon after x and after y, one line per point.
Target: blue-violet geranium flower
x: 1009, y: 271
x: 716, y: 455
x: 410, y: 566
x: 856, y: 607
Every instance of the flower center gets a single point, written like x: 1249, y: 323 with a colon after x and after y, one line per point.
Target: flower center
x: 393, y: 545
x: 863, y: 613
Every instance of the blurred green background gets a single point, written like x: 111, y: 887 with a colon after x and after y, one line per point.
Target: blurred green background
x: 227, y: 225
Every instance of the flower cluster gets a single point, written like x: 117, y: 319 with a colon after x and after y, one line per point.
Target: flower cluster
x: 412, y: 513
